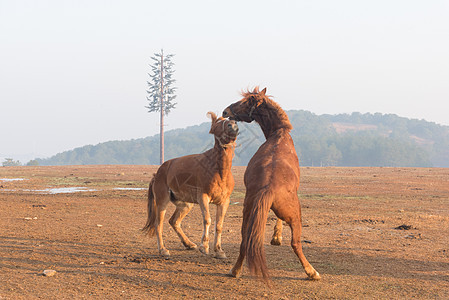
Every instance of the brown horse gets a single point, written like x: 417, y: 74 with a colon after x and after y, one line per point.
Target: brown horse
x: 271, y: 180
x: 200, y: 178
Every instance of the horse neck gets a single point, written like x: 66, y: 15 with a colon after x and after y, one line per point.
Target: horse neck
x: 271, y: 119
x: 223, y: 155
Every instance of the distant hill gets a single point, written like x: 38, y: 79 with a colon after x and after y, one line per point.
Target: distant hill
x: 355, y: 139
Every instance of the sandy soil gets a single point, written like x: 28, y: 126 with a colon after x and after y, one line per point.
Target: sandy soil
x: 352, y: 219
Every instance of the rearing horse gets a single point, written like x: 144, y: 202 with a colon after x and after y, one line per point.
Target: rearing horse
x: 272, y: 182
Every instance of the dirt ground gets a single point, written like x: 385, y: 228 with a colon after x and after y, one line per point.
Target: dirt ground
x: 372, y: 233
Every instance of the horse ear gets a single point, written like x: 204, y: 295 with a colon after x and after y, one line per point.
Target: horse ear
x: 264, y: 91
x: 213, y: 117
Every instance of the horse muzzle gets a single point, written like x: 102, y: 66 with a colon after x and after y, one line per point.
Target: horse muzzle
x: 227, y: 113
x: 234, y: 127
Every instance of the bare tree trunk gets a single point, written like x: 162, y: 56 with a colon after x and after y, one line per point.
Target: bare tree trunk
x: 162, y: 136
x: 162, y: 108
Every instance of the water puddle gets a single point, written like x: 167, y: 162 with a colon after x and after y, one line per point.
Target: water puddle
x: 65, y: 190
x: 11, y: 179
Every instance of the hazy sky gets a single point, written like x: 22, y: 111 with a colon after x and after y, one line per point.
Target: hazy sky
x: 74, y: 72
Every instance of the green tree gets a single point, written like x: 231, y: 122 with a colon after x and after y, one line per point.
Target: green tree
x: 333, y: 156
x: 9, y: 162
x: 161, y: 92
x: 33, y: 162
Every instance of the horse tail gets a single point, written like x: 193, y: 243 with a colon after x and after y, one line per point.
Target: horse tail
x: 255, y: 234
x: 150, y: 225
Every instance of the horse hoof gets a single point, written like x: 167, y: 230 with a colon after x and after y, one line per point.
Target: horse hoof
x: 276, y: 242
x: 220, y: 255
x: 204, y: 250
x: 314, y: 276
x: 234, y: 273
x: 191, y: 247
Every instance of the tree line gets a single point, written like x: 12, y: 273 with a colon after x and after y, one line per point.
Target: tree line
x: 383, y: 140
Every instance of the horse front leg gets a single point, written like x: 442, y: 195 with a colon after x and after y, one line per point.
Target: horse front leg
x: 221, y: 212
x: 204, y: 205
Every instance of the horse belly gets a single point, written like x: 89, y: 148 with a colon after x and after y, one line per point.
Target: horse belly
x: 190, y: 195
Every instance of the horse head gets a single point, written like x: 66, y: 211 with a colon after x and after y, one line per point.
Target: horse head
x: 244, y: 109
x: 224, y: 130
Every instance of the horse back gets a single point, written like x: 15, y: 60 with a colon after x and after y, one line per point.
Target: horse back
x: 189, y: 177
x: 275, y: 166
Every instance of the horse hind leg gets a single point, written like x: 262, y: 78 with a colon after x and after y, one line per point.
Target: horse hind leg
x: 297, y: 248
x: 159, y: 229
x: 182, y: 209
x: 236, y: 270
x: 277, y: 233
x: 161, y: 202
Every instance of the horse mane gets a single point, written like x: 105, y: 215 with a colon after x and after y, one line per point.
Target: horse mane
x: 269, y: 107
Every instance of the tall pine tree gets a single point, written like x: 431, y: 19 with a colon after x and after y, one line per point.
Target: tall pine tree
x: 161, y: 92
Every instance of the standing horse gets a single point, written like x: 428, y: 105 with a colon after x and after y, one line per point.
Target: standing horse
x: 199, y: 178
x: 271, y: 180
